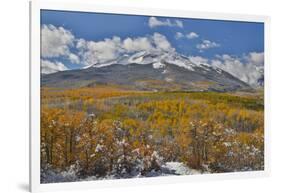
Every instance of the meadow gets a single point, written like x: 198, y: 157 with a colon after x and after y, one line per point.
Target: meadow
x: 106, y: 132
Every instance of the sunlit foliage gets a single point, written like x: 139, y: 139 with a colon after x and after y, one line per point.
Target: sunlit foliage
x: 105, y: 130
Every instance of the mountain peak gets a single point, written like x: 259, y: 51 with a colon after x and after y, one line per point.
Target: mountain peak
x: 158, y: 59
x: 149, y: 71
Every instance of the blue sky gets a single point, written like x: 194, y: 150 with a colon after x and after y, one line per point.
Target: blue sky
x: 210, y: 40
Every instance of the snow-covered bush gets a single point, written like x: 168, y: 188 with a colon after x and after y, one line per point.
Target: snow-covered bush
x: 50, y: 175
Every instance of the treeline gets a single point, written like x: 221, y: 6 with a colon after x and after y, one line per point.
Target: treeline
x: 137, y: 136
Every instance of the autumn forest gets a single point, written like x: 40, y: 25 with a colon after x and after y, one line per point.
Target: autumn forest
x: 103, y: 132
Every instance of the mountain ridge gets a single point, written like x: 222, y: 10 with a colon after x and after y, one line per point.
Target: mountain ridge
x: 167, y: 74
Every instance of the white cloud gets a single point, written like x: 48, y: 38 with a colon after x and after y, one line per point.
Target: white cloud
x: 154, y: 22
x: 207, y: 44
x: 48, y: 67
x: 137, y: 44
x: 55, y: 41
x: 102, y: 51
x: 161, y: 42
x: 198, y: 59
x: 59, y: 43
x: 256, y: 58
x: 107, y: 50
x: 248, y: 68
x: 179, y: 35
x: 192, y: 35
x: 73, y: 58
x: 178, y: 23
x: 81, y: 44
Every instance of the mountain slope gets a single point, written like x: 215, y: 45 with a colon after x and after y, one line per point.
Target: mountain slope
x: 149, y: 71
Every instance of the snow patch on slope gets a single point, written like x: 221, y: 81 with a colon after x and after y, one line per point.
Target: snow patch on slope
x: 158, y: 65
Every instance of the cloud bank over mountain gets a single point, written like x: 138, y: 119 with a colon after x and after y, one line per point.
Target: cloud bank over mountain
x: 60, y: 44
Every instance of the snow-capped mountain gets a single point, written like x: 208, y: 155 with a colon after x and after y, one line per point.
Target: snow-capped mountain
x: 161, y: 71
x: 158, y: 59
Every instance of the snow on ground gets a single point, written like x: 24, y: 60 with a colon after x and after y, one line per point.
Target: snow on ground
x: 167, y: 169
x: 177, y: 168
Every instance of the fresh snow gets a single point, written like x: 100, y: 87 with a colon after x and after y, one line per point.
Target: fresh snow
x: 136, y: 58
x: 178, y: 168
x: 157, y: 59
x: 158, y: 65
x: 101, y: 64
x: 181, y: 63
x: 167, y: 169
x: 99, y: 148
